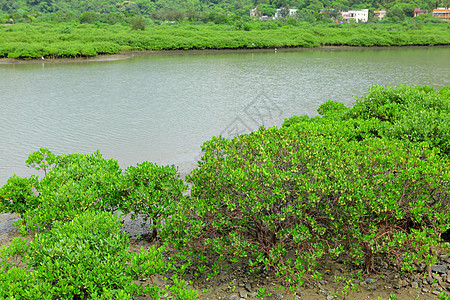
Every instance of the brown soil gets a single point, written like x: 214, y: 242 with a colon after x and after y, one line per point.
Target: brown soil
x: 235, y: 281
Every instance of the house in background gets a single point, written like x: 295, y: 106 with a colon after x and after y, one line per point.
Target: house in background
x: 278, y: 14
x: 292, y: 12
x: 442, y: 13
x: 419, y: 12
x: 380, y: 14
x: 358, y: 15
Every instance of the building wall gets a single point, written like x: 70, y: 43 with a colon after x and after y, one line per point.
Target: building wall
x: 292, y: 13
x: 419, y: 12
x: 442, y: 13
x: 380, y: 14
x: 358, y: 15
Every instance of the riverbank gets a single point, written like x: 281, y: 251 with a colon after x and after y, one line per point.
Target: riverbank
x: 138, y: 53
x: 48, y: 40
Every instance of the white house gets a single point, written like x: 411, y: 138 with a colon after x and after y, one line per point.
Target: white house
x: 292, y: 12
x: 358, y: 15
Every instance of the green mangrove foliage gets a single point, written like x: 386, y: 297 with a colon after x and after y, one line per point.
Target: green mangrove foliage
x: 413, y: 114
x: 283, y: 198
x: 153, y: 191
x: 77, y: 182
x: 410, y: 114
x: 18, y: 194
x: 86, y: 258
x: 274, y: 193
x: 27, y: 41
x: 356, y: 183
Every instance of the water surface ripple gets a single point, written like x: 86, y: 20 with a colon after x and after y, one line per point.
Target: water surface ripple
x: 161, y: 108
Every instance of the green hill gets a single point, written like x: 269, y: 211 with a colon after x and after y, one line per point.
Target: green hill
x: 201, y: 9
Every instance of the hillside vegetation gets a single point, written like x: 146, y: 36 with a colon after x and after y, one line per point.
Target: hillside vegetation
x: 201, y: 9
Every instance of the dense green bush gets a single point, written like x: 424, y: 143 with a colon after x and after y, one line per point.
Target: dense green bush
x: 273, y: 193
x: 416, y: 114
x: 153, y: 191
x: 76, y: 183
x: 282, y: 198
x: 18, y: 194
x: 138, y: 23
x: 50, y: 40
x: 86, y: 258
x: 73, y: 183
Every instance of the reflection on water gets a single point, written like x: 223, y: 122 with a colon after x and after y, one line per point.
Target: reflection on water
x: 161, y: 108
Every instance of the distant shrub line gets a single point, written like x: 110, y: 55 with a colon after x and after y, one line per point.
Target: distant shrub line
x: 354, y: 183
x: 27, y: 41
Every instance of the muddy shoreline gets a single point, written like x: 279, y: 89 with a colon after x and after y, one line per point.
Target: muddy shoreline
x: 235, y: 283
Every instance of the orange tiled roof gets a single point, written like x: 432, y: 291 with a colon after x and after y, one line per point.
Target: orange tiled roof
x: 441, y: 10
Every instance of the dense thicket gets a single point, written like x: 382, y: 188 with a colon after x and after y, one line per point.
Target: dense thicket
x: 355, y: 183
x: 48, y: 40
x: 79, y: 250
x: 87, y: 258
x: 370, y: 180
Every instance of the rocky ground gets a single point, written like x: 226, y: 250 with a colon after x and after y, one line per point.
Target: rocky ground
x: 235, y: 284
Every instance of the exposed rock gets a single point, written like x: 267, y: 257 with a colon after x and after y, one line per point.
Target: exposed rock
x: 322, y: 291
x: 370, y: 280
x: 429, y: 280
x: 278, y: 296
x: 243, y: 294
x: 248, y: 287
x: 440, y: 269
x: 397, y: 283
x: 414, y: 284
x: 253, y: 295
x: 233, y: 297
x: 425, y: 290
x: 437, y: 277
